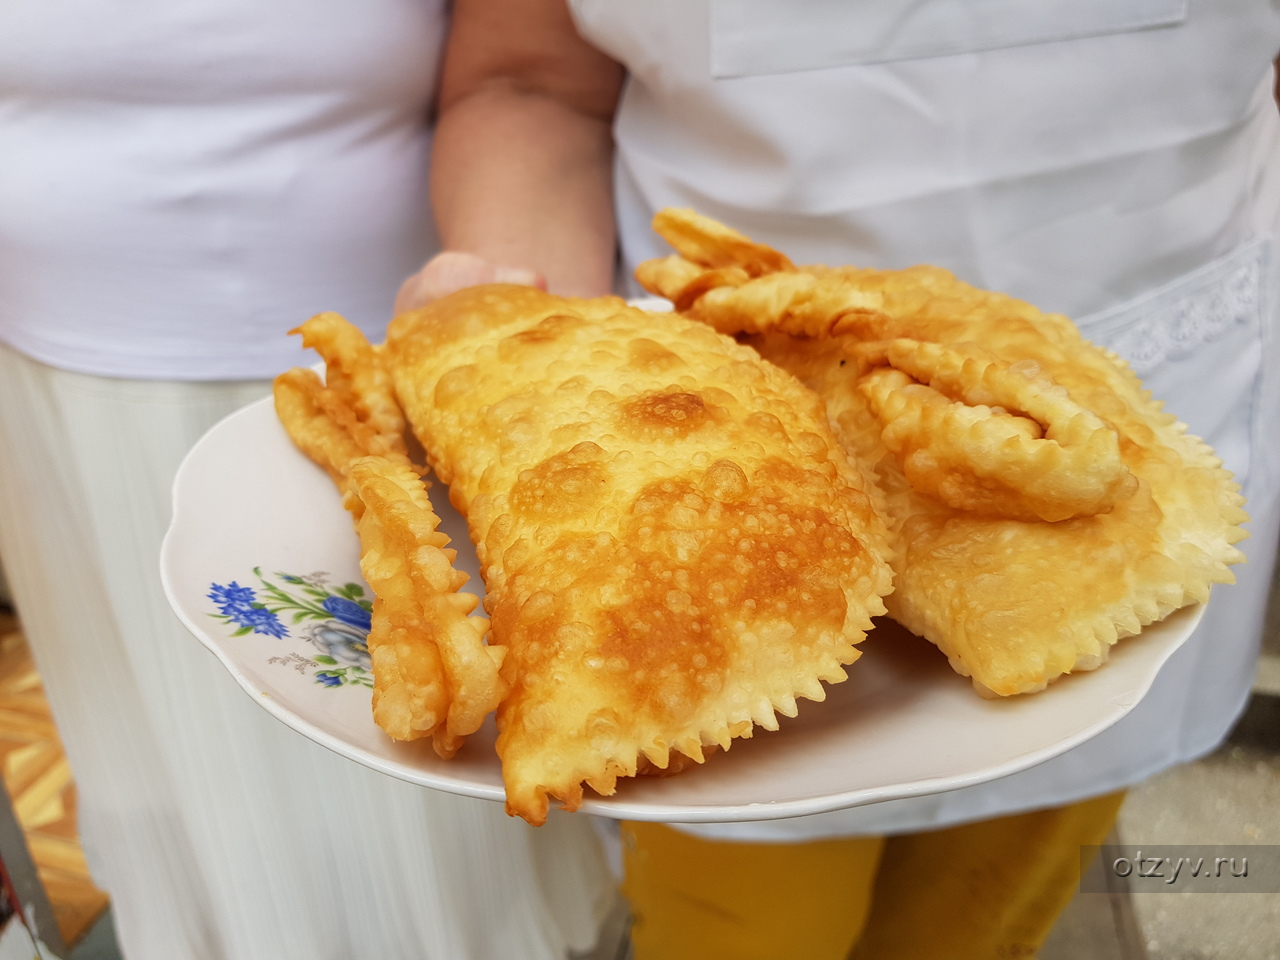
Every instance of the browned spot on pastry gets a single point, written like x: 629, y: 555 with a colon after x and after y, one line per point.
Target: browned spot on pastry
x: 644, y: 354
x: 546, y: 332
x: 662, y: 608
x: 702, y: 566
x: 569, y: 483
x: 669, y: 414
x: 726, y: 481
x: 455, y: 386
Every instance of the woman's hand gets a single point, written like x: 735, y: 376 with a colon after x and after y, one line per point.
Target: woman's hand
x: 448, y: 272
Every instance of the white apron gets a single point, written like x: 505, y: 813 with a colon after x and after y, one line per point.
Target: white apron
x: 1114, y: 160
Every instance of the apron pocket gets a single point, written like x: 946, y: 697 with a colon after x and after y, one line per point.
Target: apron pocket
x: 753, y: 37
x: 1197, y: 345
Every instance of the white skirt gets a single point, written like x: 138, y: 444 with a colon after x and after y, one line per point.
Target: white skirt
x: 219, y: 833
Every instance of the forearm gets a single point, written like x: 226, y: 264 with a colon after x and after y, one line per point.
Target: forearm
x: 522, y: 169
x: 519, y: 178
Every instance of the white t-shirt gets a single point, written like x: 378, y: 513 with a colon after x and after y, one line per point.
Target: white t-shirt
x: 183, y: 181
x: 1114, y: 160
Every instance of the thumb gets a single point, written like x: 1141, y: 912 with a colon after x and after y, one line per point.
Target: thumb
x: 451, y: 271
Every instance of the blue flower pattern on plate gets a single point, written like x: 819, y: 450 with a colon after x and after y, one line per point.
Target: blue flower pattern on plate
x: 239, y: 605
x: 342, y: 618
x: 349, y: 612
x: 231, y: 596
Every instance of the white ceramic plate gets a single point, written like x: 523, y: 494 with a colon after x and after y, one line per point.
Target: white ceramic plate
x: 256, y: 522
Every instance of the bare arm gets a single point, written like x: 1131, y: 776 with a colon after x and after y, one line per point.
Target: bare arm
x: 522, y: 168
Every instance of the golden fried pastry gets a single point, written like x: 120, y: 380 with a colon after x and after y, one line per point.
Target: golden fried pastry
x: 353, y: 413
x: 354, y: 373
x: 1051, y: 461
x: 726, y: 280
x: 433, y: 675
x: 673, y: 544
x: 1042, y: 504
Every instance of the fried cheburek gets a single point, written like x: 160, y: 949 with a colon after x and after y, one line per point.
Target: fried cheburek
x: 1042, y: 505
x: 673, y: 544
x: 433, y: 675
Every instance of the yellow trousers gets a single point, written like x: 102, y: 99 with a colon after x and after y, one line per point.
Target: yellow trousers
x: 974, y: 892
